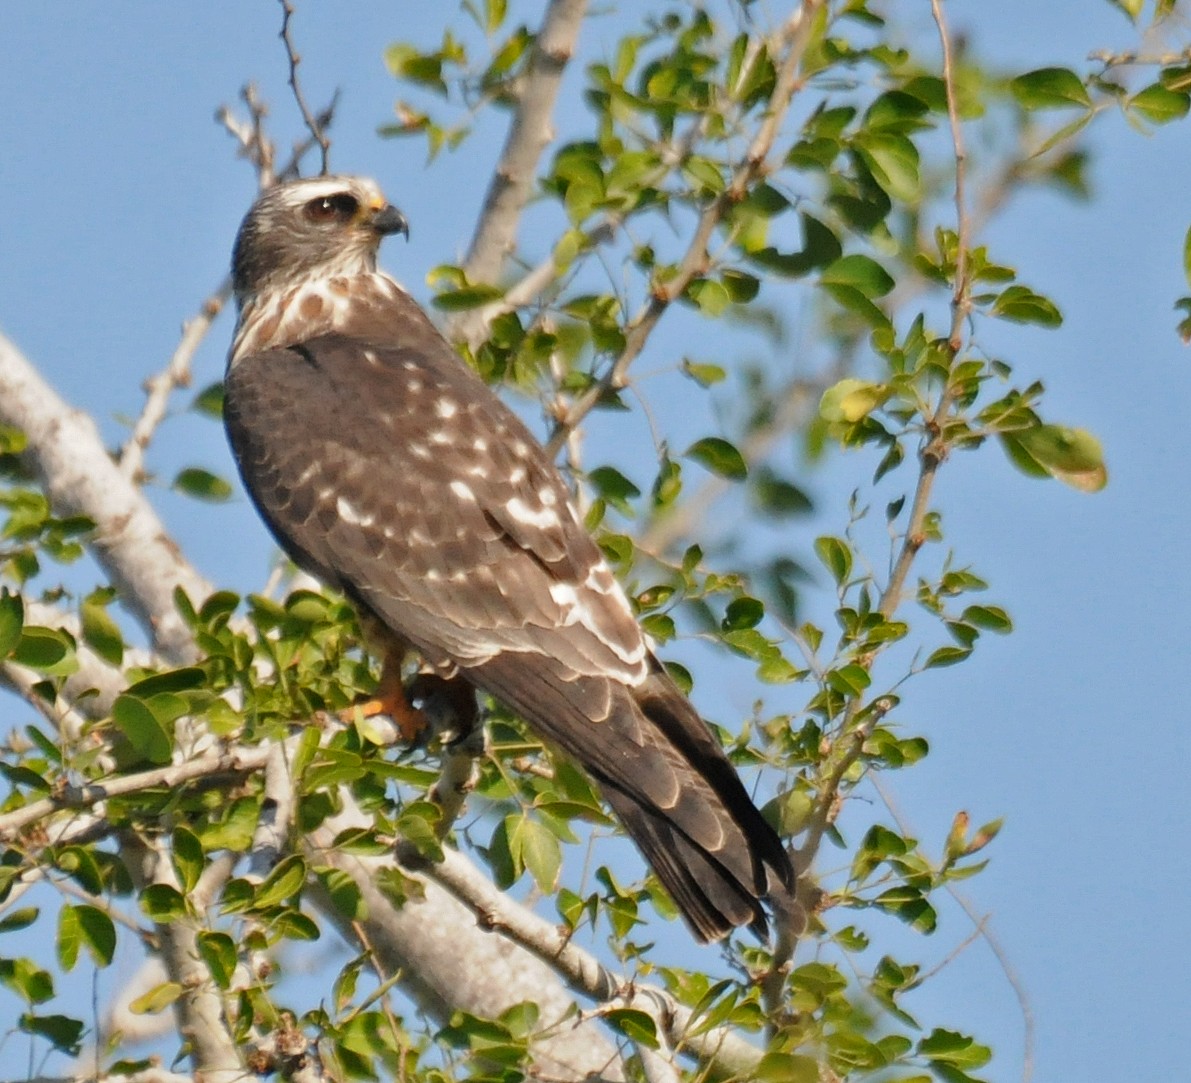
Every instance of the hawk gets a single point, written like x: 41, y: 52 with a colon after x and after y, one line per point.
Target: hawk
x: 386, y: 468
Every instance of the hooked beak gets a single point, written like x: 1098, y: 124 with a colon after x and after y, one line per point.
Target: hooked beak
x: 388, y: 219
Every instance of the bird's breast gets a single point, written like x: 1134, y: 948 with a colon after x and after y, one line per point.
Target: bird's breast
x: 348, y: 304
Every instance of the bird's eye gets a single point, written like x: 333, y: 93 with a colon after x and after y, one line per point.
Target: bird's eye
x: 340, y: 207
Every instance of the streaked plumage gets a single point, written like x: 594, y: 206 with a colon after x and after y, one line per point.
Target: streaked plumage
x: 385, y: 467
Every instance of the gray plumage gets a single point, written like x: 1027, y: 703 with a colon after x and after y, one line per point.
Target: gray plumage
x: 389, y: 470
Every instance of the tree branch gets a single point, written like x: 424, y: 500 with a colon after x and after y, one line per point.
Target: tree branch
x: 176, y: 374
x: 199, y: 1009
x: 426, y: 938
x: 143, y: 562
x: 529, y: 134
x: 317, y: 130
x: 794, y: 38
x: 583, y: 972
x: 210, y: 769
x: 931, y: 456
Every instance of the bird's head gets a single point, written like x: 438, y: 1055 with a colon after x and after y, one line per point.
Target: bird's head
x: 319, y: 226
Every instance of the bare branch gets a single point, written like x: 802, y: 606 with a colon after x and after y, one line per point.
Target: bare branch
x: 277, y: 809
x: 255, y: 145
x: 529, y: 133
x: 933, y: 452
x: 582, y: 971
x: 175, y: 375
x: 425, y: 938
x: 793, y: 39
x: 199, y: 1009
x: 65, y: 452
x: 149, y: 1075
x: 259, y: 149
x: 210, y: 769
x: 852, y: 734
x: 317, y: 130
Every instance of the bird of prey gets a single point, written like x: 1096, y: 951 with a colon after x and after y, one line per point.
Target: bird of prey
x: 385, y: 467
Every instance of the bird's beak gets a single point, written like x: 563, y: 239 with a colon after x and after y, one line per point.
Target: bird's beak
x: 388, y: 219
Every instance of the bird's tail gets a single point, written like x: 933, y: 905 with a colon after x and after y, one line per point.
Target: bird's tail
x: 667, y: 779
x: 714, y: 852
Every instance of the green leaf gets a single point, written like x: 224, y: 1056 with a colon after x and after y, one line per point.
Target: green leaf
x: 70, y: 937
x: 188, y: 857
x: 186, y: 679
x: 850, y: 400
x: 467, y: 297
x: 209, y: 401
x: 1022, y: 305
x: 284, y: 881
x: 946, y: 656
x: 536, y: 848
x: 344, y: 893
x: 892, y: 159
x: 1050, y: 88
x: 163, y: 903
x: 741, y: 286
x: 615, y: 488
x: 219, y: 953
x: 861, y: 273
x: 100, y: 632
x: 718, y: 456
x: 25, y: 978
x: 12, y: 613
x: 87, y: 925
x: 1073, y: 456
x: 787, y: 1068
x: 742, y: 613
x: 19, y: 919
x: 145, y: 732
x: 156, y: 999
x: 706, y: 374
x: 202, y: 484
x: 1159, y: 105
x: 638, y: 1026
x: 99, y: 933
x: 950, y: 1047
x: 711, y: 297
x: 45, y: 649
x: 776, y: 496
x: 836, y: 557
x: 849, y: 680
x: 989, y: 617
x: 63, y: 1032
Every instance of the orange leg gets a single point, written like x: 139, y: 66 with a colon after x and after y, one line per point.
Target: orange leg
x: 390, y: 699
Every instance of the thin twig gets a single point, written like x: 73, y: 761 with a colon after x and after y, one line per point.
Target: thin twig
x: 930, y: 458
x: 795, y: 37
x: 176, y: 374
x: 316, y: 130
x: 211, y: 768
x: 983, y: 931
x: 258, y: 148
x: 457, y: 777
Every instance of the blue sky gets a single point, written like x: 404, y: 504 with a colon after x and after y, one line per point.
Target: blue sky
x: 122, y: 196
